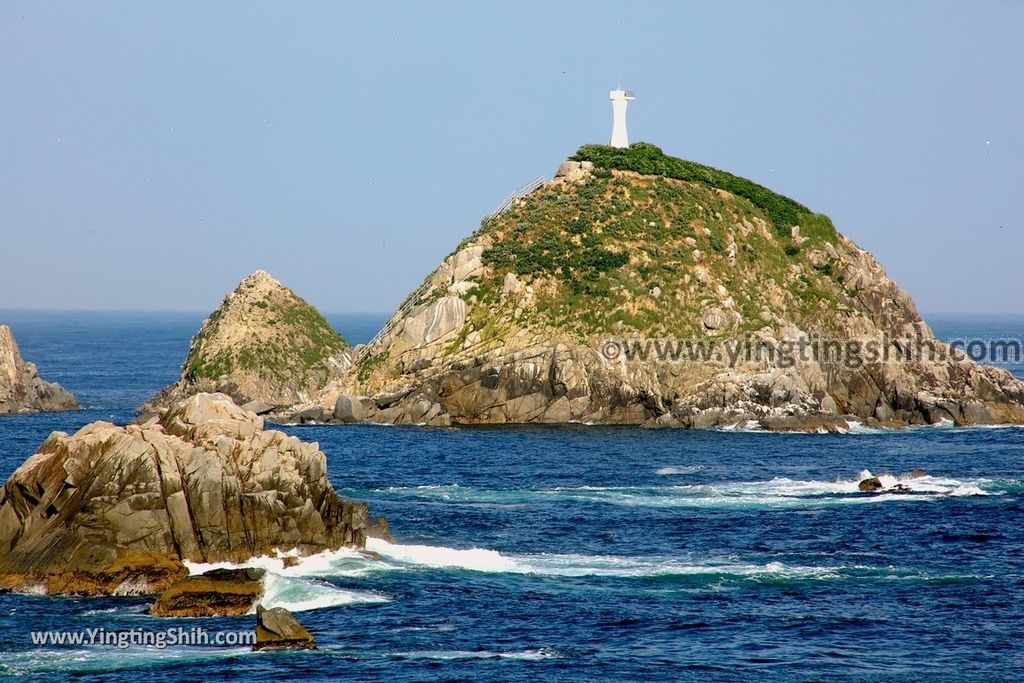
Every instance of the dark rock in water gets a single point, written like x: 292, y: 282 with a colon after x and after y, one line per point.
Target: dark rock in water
x: 277, y: 629
x: 113, y: 509
x: 914, y: 474
x: 219, y: 592
x: 21, y: 388
x: 870, y: 485
x: 377, y: 527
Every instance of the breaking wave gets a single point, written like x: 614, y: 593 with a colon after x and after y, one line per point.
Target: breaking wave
x: 298, y: 588
x: 704, y: 570
x: 777, y: 492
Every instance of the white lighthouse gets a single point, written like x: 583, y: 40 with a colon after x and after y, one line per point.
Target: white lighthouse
x: 619, y: 98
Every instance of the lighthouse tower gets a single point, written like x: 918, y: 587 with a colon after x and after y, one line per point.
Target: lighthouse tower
x: 619, y: 98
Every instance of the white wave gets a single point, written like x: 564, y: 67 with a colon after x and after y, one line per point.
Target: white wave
x: 613, y: 566
x: 44, y: 660
x: 445, y: 655
x: 300, y: 595
x: 748, y: 426
x: 682, y: 469
x: 440, y: 557
x: 858, y: 427
x: 777, y: 492
x: 296, y: 587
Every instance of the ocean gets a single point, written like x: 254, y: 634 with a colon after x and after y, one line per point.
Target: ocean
x: 580, y: 553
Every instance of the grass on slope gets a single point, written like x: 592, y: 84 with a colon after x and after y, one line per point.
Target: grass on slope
x: 648, y: 159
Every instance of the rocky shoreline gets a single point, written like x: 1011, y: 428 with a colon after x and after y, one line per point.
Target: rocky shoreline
x: 116, y: 510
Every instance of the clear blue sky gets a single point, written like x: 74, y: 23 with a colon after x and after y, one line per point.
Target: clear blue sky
x: 152, y: 154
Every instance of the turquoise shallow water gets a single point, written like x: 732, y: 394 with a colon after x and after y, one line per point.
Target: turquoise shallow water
x: 576, y: 553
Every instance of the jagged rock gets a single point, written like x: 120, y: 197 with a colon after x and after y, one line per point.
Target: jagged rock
x: 117, y: 509
x: 262, y: 345
x: 218, y: 592
x: 348, y: 409
x: 277, y: 629
x: 21, y: 388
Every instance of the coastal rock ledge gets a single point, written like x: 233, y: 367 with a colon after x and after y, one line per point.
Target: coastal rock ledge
x: 21, y: 388
x: 117, y: 510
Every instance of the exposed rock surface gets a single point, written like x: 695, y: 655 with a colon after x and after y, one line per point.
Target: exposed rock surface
x: 277, y: 629
x: 264, y: 345
x: 116, y: 509
x: 21, y: 388
x: 216, y: 593
x: 515, y: 325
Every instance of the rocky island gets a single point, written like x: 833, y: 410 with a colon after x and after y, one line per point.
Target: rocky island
x: 631, y: 245
x: 117, y: 510
x: 263, y: 346
x: 21, y: 388
x: 573, y: 303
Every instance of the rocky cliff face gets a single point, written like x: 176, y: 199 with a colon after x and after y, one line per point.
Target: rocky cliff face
x: 263, y: 344
x: 117, y: 509
x: 21, y: 389
x: 535, y: 317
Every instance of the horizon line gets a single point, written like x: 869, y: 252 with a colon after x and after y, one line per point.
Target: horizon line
x: 193, y: 311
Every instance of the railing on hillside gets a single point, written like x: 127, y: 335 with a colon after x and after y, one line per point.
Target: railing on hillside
x: 517, y: 195
x: 406, y: 306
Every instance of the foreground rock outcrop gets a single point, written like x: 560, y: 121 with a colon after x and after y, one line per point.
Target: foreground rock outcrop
x: 263, y: 345
x: 216, y: 593
x: 115, y: 510
x: 21, y: 388
x: 278, y: 629
x: 571, y: 307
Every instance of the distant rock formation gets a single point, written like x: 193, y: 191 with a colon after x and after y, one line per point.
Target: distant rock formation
x: 115, y: 510
x: 535, y: 317
x: 263, y: 345
x: 21, y: 389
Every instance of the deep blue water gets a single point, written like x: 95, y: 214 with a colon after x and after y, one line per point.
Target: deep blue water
x: 582, y: 553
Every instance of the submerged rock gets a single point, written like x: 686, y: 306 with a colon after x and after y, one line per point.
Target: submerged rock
x: 117, y: 509
x: 263, y: 346
x: 218, y: 592
x: 278, y: 629
x: 21, y: 388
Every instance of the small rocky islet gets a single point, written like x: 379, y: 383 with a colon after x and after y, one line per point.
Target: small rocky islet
x: 22, y: 390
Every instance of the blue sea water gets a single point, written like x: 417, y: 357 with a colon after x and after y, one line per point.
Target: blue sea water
x: 582, y: 553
